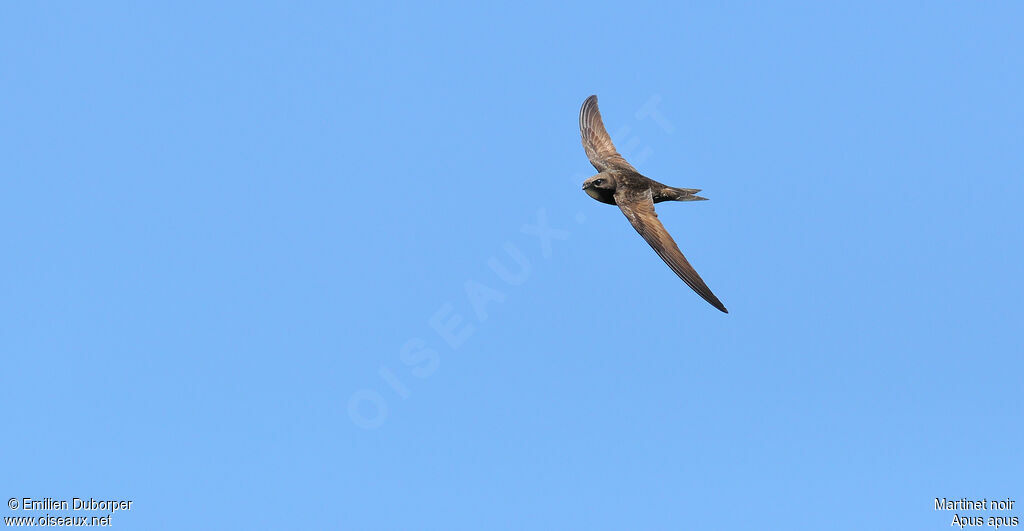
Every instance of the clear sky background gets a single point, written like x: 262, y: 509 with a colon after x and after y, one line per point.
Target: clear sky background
x: 237, y: 241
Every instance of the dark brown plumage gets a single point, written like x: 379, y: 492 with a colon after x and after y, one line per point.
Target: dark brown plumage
x: 618, y: 183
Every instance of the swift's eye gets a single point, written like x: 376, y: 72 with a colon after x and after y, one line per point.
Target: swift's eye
x: 599, y: 181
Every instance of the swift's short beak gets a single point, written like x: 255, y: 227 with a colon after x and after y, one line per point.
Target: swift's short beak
x: 585, y: 186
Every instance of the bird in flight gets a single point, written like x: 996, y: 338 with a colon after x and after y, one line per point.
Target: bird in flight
x: 618, y: 183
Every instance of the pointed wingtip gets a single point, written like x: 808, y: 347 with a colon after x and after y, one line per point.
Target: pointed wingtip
x: 717, y: 304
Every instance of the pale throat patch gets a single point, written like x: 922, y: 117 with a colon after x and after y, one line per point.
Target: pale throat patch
x: 592, y: 192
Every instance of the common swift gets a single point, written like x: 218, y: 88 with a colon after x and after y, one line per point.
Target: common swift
x: 618, y: 183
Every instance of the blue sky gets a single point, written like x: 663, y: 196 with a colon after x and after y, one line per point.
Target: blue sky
x: 329, y: 266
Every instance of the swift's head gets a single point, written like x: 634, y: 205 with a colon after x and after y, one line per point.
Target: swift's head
x: 601, y: 187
